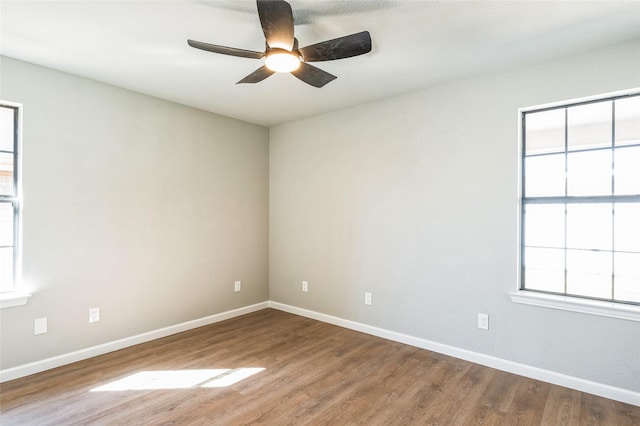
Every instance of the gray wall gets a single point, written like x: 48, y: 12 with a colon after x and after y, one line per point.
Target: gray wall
x: 415, y: 198
x: 147, y: 209
x: 151, y: 210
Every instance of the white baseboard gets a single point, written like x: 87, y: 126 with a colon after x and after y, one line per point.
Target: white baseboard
x: 49, y: 363
x: 606, y: 391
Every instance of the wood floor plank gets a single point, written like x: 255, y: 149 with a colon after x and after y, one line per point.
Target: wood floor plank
x: 313, y: 374
x: 460, y: 404
x: 528, y: 402
x: 562, y: 407
x: 496, y: 399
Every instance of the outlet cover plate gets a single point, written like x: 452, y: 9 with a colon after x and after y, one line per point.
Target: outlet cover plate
x: 305, y: 286
x: 39, y: 326
x: 237, y: 286
x: 483, y: 321
x: 94, y: 314
x: 367, y: 298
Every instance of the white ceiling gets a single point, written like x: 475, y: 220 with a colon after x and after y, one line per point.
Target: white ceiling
x: 141, y: 45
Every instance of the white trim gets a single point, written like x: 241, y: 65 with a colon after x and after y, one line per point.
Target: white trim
x: 606, y: 391
x: 566, y: 303
x: 13, y: 298
x: 576, y: 304
x: 57, y: 361
x: 595, y: 388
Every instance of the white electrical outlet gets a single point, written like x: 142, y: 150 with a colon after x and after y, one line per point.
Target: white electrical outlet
x: 367, y: 298
x: 483, y: 321
x: 305, y: 286
x: 237, y: 286
x: 94, y: 314
x: 39, y: 326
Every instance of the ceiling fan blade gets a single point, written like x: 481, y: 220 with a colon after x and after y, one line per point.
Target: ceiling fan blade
x: 276, y: 19
x: 312, y: 75
x: 225, y: 50
x: 257, y: 76
x: 338, y: 48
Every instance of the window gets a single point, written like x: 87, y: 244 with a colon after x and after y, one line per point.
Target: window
x: 9, y: 195
x: 580, y: 206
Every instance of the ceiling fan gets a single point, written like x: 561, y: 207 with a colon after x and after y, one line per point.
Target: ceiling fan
x: 282, y: 53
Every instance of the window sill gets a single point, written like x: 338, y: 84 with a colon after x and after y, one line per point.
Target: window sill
x: 13, y: 298
x: 574, y: 304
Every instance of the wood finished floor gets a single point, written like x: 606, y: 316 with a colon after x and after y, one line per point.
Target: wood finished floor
x: 314, y: 373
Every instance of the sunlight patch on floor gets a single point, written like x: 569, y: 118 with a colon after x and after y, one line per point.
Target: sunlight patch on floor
x: 179, y: 379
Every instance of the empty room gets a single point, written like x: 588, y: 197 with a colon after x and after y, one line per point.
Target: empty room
x: 381, y: 212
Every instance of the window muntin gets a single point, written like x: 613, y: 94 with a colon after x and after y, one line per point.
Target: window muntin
x: 9, y: 195
x: 580, y: 232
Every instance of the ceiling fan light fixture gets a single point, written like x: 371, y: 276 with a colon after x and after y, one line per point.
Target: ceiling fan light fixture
x: 281, y: 48
x: 280, y: 60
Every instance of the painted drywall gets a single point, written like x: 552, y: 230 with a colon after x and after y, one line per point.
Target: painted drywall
x: 146, y: 209
x: 414, y: 199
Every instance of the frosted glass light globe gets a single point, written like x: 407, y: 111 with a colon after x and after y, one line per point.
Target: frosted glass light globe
x: 280, y: 60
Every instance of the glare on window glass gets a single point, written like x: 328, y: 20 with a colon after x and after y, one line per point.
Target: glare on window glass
x: 589, y: 226
x: 627, y: 171
x: 589, y: 173
x: 589, y: 273
x: 544, y: 225
x: 545, y: 176
x: 628, y: 121
x: 6, y: 224
x: 589, y: 125
x: 6, y: 174
x: 544, y: 131
x: 627, y: 276
x: 6, y: 129
x: 544, y: 269
x: 581, y: 199
x: 6, y: 268
x: 627, y: 227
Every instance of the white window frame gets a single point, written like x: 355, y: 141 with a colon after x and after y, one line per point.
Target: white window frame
x: 13, y: 296
x: 610, y: 309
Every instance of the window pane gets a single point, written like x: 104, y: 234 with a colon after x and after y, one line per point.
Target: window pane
x: 627, y: 227
x: 544, y: 225
x: 6, y: 129
x: 589, y: 226
x: 589, y: 173
x: 589, y: 126
x: 6, y: 269
x: 6, y: 224
x: 589, y: 273
x: 587, y: 156
x: 544, y: 132
x: 628, y: 121
x: 544, y: 176
x: 627, y: 277
x: 544, y: 269
x: 627, y: 171
x: 6, y: 174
